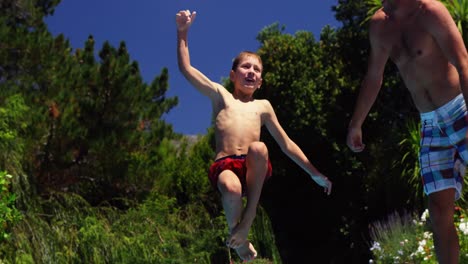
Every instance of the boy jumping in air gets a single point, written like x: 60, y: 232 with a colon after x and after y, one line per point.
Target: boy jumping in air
x: 241, y: 164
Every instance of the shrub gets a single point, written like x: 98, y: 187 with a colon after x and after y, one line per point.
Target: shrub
x: 9, y: 215
x: 405, y: 240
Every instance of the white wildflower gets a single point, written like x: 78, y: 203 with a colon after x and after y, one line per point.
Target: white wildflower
x: 425, y: 215
x: 376, y: 246
x: 420, y: 249
x: 463, y: 228
x: 423, y: 242
x: 427, y: 235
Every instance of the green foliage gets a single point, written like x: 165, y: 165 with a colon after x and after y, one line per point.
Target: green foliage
x: 406, y: 240
x: 26, y: 12
x: 184, y: 174
x: 92, y: 122
x: 409, y: 162
x: 396, y: 234
x: 93, y: 126
x: 263, y: 238
x: 292, y: 55
x: 189, y: 227
x: 459, y: 11
x: 107, y: 127
x: 13, y: 123
x: 373, y: 5
x: 157, y: 231
x: 9, y: 215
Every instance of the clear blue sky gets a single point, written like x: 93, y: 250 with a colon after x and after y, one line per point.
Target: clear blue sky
x: 221, y: 30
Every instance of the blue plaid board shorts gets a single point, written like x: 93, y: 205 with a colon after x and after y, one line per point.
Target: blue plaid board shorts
x: 443, y: 154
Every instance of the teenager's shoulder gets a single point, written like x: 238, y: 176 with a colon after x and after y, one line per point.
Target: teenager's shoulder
x: 379, y: 24
x: 432, y: 5
x: 435, y: 17
x: 378, y: 17
x: 432, y: 9
x: 381, y: 29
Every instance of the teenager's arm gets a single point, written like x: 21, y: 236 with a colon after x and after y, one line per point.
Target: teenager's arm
x: 291, y: 149
x: 440, y: 24
x: 370, y: 85
x: 184, y: 20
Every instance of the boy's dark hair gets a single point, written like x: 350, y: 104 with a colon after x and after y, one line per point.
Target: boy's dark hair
x: 243, y: 54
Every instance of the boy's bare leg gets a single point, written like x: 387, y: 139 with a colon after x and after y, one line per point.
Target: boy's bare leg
x: 441, y: 210
x: 231, y: 193
x: 257, y: 165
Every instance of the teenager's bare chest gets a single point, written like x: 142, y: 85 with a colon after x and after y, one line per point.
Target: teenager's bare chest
x: 409, y: 43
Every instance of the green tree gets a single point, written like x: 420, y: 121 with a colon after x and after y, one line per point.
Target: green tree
x: 108, y: 121
x: 94, y: 125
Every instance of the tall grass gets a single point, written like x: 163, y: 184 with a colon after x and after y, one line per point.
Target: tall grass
x: 69, y: 230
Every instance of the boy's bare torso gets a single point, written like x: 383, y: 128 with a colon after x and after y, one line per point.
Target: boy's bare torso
x: 237, y: 124
x: 430, y: 78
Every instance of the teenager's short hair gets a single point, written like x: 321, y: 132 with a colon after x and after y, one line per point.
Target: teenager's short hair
x: 243, y: 54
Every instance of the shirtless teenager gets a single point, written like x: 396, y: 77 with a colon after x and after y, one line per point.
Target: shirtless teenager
x: 421, y: 38
x: 241, y: 163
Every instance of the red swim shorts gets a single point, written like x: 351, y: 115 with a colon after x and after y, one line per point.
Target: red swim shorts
x: 235, y: 163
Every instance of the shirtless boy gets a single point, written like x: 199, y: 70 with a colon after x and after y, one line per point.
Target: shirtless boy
x: 421, y: 38
x: 241, y: 164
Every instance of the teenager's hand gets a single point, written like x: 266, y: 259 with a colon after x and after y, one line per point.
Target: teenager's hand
x: 324, y: 182
x: 354, y: 139
x: 184, y: 19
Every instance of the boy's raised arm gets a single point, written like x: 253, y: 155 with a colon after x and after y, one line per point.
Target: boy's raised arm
x: 184, y: 20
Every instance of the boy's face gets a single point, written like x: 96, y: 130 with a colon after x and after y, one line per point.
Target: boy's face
x: 248, y: 73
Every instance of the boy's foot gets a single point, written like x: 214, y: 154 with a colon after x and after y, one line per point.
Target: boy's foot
x: 238, y: 237
x: 246, y: 251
